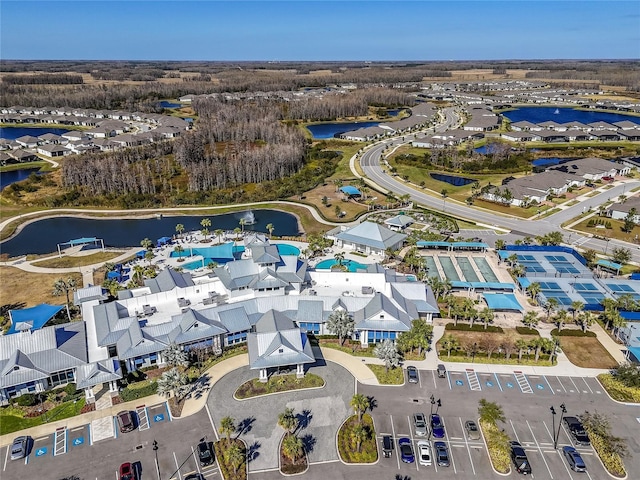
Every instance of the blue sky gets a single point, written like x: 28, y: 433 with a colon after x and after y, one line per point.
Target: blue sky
x: 319, y: 30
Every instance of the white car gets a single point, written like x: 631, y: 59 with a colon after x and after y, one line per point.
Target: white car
x: 424, y: 452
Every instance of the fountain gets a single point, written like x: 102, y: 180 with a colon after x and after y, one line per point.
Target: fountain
x: 249, y: 218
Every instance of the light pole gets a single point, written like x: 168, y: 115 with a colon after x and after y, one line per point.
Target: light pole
x: 155, y: 450
x: 473, y: 353
x: 553, y: 426
x: 563, y: 410
x: 439, y: 404
x: 433, y: 402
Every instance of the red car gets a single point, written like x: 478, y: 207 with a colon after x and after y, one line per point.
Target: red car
x: 607, y: 179
x: 127, y: 472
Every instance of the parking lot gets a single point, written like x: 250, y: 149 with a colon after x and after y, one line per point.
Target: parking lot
x: 66, y: 452
x: 525, y: 399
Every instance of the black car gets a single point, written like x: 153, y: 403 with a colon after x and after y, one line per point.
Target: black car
x: 125, y: 421
x: 412, y: 374
x: 577, y: 431
x: 574, y: 459
x: 519, y: 459
x: 205, y: 454
x: 387, y: 446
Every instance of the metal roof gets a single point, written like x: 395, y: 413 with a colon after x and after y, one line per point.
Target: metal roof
x: 372, y: 235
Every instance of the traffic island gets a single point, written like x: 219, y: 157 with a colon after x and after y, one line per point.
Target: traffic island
x: 357, y: 440
x: 277, y: 384
x: 293, y: 456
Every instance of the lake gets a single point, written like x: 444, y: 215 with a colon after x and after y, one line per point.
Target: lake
x: 545, y: 114
x: 11, y: 133
x: 169, y: 104
x: 332, y: 129
x: 12, y: 176
x: 43, y: 236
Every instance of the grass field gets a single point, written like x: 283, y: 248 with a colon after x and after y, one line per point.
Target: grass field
x: 614, y: 232
x: 69, y: 262
x: 586, y: 352
x: 31, y: 288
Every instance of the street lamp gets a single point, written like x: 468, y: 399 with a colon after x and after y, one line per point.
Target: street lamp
x: 155, y: 450
x: 473, y: 352
x: 439, y: 405
x: 553, y: 426
x: 433, y: 402
x: 563, y: 410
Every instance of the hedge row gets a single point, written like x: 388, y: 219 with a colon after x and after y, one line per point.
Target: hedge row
x: 571, y: 333
x: 135, y: 391
x: 476, y: 327
x: 527, y: 331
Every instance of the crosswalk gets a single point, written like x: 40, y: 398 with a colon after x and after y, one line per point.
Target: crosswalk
x: 523, y: 383
x: 143, y: 418
x: 472, y: 378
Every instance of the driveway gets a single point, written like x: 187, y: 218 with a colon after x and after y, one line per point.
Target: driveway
x: 321, y: 412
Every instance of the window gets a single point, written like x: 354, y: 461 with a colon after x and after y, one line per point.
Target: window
x: 281, y: 350
x: 62, y: 377
x: 112, y: 351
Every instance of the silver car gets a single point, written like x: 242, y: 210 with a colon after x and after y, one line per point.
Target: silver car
x: 472, y: 430
x: 420, y: 424
x: 19, y: 448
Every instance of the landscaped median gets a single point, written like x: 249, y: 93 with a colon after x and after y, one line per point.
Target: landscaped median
x: 391, y: 376
x: 623, y: 383
x: 496, y: 439
x: 277, y: 384
x: 609, y: 448
x: 357, y: 440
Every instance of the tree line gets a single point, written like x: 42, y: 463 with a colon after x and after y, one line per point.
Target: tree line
x: 43, y: 79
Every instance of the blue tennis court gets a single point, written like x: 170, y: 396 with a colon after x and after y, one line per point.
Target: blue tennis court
x: 534, y: 267
x: 565, y: 268
x: 621, y: 288
x: 585, y: 287
x: 549, y: 286
x: 557, y: 258
x: 562, y: 299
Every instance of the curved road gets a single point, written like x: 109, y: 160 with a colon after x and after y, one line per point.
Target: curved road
x: 370, y: 163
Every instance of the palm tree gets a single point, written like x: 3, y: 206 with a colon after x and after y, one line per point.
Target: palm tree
x: 292, y: 447
x: 175, y: 356
x: 586, y: 320
x: 444, y: 193
x: 521, y: 345
x: 576, y: 307
x: 486, y: 316
x: 288, y: 420
x: 559, y: 318
x: 404, y: 199
x: 234, y: 455
x: 205, y: 223
x: 550, y: 306
x: 339, y: 257
x: 338, y: 183
x: 227, y: 427
x: 360, y: 405
x: 449, y: 342
x: 138, y: 274
x: 500, y: 244
x: 146, y: 244
x: 270, y: 228
x: 534, y: 289
x: 387, y: 351
x: 179, y: 249
x: 218, y: 233
x: 530, y: 320
x: 242, y: 224
x: 537, y: 343
x: 61, y: 286
x: 172, y: 382
x: 512, y: 259
x: 359, y: 434
x: 340, y: 323
x: 179, y: 229
x: 618, y: 322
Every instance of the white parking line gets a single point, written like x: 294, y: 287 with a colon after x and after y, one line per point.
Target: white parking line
x: 467, y: 445
x: 206, y: 407
x: 523, y: 383
x: 547, y: 380
x: 419, y: 379
x: 175, y: 459
x: 433, y: 374
x: 449, y: 380
x: 574, y: 384
x: 585, y: 382
x: 60, y: 441
x: 393, y: 431
x: 498, y: 381
x: 539, y: 449
x: 413, y: 443
x: 472, y: 378
x: 558, y: 379
x: 195, y: 457
x: 6, y: 457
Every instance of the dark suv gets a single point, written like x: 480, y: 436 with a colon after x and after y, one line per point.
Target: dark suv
x: 387, y: 446
x: 577, y: 431
x: 519, y: 459
x: 205, y: 454
x: 125, y: 421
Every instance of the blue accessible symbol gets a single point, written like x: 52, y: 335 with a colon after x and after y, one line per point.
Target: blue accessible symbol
x: 459, y: 383
x: 540, y: 386
x: 159, y: 417
x: 41, y: 451
x: 489, y: 384
x: 509, y: 385
x: 78, y: 441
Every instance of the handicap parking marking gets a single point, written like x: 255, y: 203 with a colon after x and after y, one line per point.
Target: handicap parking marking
x: 159, y: 417
x: 77, y: 441
x: 143, y: 418
x: 41, y: 451
x: 60, y: 441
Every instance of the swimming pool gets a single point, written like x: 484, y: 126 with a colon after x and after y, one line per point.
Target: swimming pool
x: 350, y: 264
x: 286, y: 249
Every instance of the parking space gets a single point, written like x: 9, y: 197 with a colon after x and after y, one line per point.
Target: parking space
x: 158, y: 413
x: 508, y: 383
x: 78, y: 437
x: 488, y: 381
x: 60, y: 441
x: 143, y: 418
x: 457, y: 380
x: 539, y: 385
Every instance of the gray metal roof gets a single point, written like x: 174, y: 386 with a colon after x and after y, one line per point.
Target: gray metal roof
x: 264, y: 254
x: 273, y: 321
x: 372, y: 235
x: 235, y: 319
x: 98, y: 372
x: 168, y: 279
x: 383, y: 312
x: 279, y: 348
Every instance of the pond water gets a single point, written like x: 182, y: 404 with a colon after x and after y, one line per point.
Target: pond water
x: 543, y: 162
x: 44, y: 235
x: 563, y: 115
x: 332, y: 129
x: 169, y: 104
x: 11, y: 133
x: 12, y: 176
x: 452, y: 179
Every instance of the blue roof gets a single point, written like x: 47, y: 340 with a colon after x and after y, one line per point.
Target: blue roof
x: 502, y: 301
x: 524, y: 282
x: 485, y: 285
x: 350, y: 190
x: 609, y: 264
x: 630, y: 315
x: 635, y: 276
x: 635, y: 351
x: 163, y: 240
x: 141, y: 253
x: 80, y: 241
x: 32, y: 318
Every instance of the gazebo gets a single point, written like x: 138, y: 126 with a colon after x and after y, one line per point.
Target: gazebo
x: 80, y: 241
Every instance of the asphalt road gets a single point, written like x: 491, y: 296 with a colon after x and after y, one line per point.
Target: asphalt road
x: 75, y: 455
x: 375, y: 172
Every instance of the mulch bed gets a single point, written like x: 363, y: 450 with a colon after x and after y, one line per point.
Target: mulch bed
x: 115, y: 400
x: 89, y: 407
x: 289, y: 467
x: 175, y: 407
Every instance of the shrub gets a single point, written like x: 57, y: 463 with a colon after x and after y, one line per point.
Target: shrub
x: 527, y: 331
x: 609, y: 448
x: 571, y: 333
x: 138, y: 390
x: 618, y: 390
x: 477, y: 327
x: 498, y: 446
x: 368, y: 449
x: 27, y: 400
x: 70, y: 389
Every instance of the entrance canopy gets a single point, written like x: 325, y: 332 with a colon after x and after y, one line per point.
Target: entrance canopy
x: 80, y: 241
x: 33, y: 318
x: 502, y: 301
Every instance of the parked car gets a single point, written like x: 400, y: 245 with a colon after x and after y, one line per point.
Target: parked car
x: 194, y: 476
x: 387, y: 446
x: 437, y: 429
x: 442, y: 454
x: 20, y: 447
x: 576, y: 430
x: 406, y: 450
x: 442, y: 371
x: 205, y: 454
x: 519, y: 459
x: 574, y: 459
x: 420, y: 424
x: 607, y: 179
x: 472, y: 430
x: 424, y: 453
x: 125, y: 421
x: 127, y: 472
x: 412, y: 374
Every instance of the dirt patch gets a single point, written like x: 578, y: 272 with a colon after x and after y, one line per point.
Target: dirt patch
x: 351, y: 208
x: 587, y: 352
x: 32, y: 288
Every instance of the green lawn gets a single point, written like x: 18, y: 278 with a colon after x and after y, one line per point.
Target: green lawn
x: 11, y: 419
x: 395, y: 376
